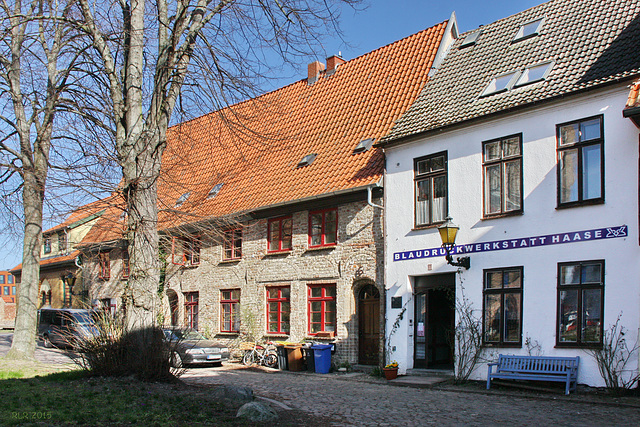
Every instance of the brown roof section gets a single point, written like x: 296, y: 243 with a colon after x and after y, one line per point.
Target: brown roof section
x: 62, y: 259
x: 253, y: 148
x: 83, y: 213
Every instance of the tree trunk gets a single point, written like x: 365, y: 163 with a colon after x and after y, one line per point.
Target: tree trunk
x: 141, y: 292
x: 24, y: 338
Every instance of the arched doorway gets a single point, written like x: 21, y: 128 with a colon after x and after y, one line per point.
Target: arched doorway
x: 369, y: 325
x: 173, y: 306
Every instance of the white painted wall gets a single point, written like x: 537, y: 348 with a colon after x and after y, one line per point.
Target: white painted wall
x: 464, y: 147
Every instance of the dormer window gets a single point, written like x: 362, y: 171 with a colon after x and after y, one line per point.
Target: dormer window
x: 530, y: 29
x: 307, y: 160
x: 364, y: 145
x: 182, y: 199
x: 47, y: 245
x: 471, y: 39
x: 214, y: 191
x: 534, y: 73
x: 501, y: 83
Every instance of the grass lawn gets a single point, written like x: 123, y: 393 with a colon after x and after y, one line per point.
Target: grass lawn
x: 34, y: 393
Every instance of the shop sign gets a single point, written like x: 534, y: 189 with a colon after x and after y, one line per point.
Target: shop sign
x: 518, y: 243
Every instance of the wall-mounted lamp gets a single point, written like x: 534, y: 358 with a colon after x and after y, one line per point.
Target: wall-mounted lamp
x: 448, y: 232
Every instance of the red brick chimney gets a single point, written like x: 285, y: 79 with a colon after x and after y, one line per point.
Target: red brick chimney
x: 333, y: 62
x: 315, y: 68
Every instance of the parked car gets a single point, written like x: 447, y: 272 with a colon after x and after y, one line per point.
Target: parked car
x: 191, y: 347
x: 63, y: 327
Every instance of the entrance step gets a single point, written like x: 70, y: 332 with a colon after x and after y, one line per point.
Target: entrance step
x: 441, y: 373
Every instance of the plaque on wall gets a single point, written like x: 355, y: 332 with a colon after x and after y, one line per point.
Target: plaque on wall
x: 396, y: 302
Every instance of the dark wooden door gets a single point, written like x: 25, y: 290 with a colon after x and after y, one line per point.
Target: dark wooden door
x: 369, y: 326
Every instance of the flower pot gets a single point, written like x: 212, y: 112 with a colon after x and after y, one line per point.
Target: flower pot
x: 390, y: 373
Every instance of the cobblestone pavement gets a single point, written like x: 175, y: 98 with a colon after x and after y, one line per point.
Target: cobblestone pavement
x: 361, y: 400
x: 44, y: 355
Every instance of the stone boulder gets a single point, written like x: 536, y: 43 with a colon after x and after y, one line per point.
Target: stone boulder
x: 257, y: 412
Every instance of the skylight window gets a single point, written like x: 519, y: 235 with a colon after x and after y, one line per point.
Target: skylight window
x: 471, y: 39
x: 501, y: 83
x: 307, y: 160
x: 534, y: 73
x: 215, y: 190
x: 530, y: 29
x: 182, y: 199
x: 364, y: 145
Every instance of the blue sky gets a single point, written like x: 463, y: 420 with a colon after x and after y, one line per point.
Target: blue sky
x: 381, y: 23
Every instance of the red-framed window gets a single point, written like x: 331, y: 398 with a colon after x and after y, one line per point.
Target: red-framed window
x: 185, y: 251
x: 125, y: 264
x: 232, y: 244
x: 230, y: 310
x: 278, y: 309
x: 322, y: 308
x: 191, y: 309
x: 104, y: 262
x: 323, y: 228
x: 279, y: 234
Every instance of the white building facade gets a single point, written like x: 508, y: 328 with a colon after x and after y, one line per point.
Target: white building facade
x: 542, y: 247
x: 520, y: 138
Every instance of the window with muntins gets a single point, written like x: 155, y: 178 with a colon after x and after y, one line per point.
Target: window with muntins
x: 185, y: 251
x: 581, y: 162
x: 502, y: 164
x: 430, y: 189
x: 278, y: 309
x: 580, y: 303
x: 9, y: 279
x: 104, y: 264
x: 230, y: 310
x: 62, y: 241
x: 322, y: 308
x: 47, y: 245
x: 502, y: 307
x: 1, y: 279
x: 232, y: 244
x: 279, y: 234
x: 191, y: 302
x: 323, y: 228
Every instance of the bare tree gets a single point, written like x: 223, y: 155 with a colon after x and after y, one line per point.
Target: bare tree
x: 152, y: 57
x: 35, y: 64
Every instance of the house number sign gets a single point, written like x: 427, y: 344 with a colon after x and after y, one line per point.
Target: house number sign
x: 518, y: 243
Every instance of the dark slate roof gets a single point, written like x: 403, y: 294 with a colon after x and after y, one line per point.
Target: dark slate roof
x: 592, y: 42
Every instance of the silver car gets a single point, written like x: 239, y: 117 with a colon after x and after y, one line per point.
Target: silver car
x: 64, y: 327
x: 191, y: 347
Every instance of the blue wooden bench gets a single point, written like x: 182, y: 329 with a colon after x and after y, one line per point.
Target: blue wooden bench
x: 539, y: 368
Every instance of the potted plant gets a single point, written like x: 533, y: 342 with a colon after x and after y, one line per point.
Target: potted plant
x: 391, y: 370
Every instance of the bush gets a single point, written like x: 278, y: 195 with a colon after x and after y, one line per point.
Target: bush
x: 115, y: 351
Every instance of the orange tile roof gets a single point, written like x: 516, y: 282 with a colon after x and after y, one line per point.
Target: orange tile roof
x: 49, y: 261
x: 253, y: 147
x: 83, y: 212
x: 634, y: 96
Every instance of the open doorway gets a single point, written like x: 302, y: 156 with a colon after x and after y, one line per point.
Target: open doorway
x: 434, y: 321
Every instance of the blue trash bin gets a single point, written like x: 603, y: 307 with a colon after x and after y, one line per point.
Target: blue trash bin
x: 322, y: 358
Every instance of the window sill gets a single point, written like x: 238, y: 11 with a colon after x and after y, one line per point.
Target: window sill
x: 502, y: 215
x: 579, y: 346
x: 279, y: 253
x: 579, y: 204
x: 317, y: 338
x: 427, y: 227
x: 275, y: 335
x: 227, y: 334
x: 503, y: 345
x: 321, y: 248
x: 230, y: 261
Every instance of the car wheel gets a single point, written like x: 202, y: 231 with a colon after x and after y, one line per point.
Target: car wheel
x: 176, y: 361
x: 46, y: 341
x: 271, y: 360
x: 248, y: 358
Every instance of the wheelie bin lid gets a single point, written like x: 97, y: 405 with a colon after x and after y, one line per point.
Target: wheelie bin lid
x: 321, y: 346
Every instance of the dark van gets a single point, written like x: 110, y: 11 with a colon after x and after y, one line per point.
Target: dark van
x: 64, y: 326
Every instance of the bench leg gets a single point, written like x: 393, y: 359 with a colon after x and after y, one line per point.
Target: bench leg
x: 488, y: 383
x: 568, y: 386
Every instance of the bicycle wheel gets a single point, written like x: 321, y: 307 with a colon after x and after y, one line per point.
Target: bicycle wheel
x: 248, y: 358
x: 271, y: 360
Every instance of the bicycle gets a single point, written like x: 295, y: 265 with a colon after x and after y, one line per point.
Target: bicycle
x: 262, y: 355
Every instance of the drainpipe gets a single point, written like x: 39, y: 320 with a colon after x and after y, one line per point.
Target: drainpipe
x: 370, y: 195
